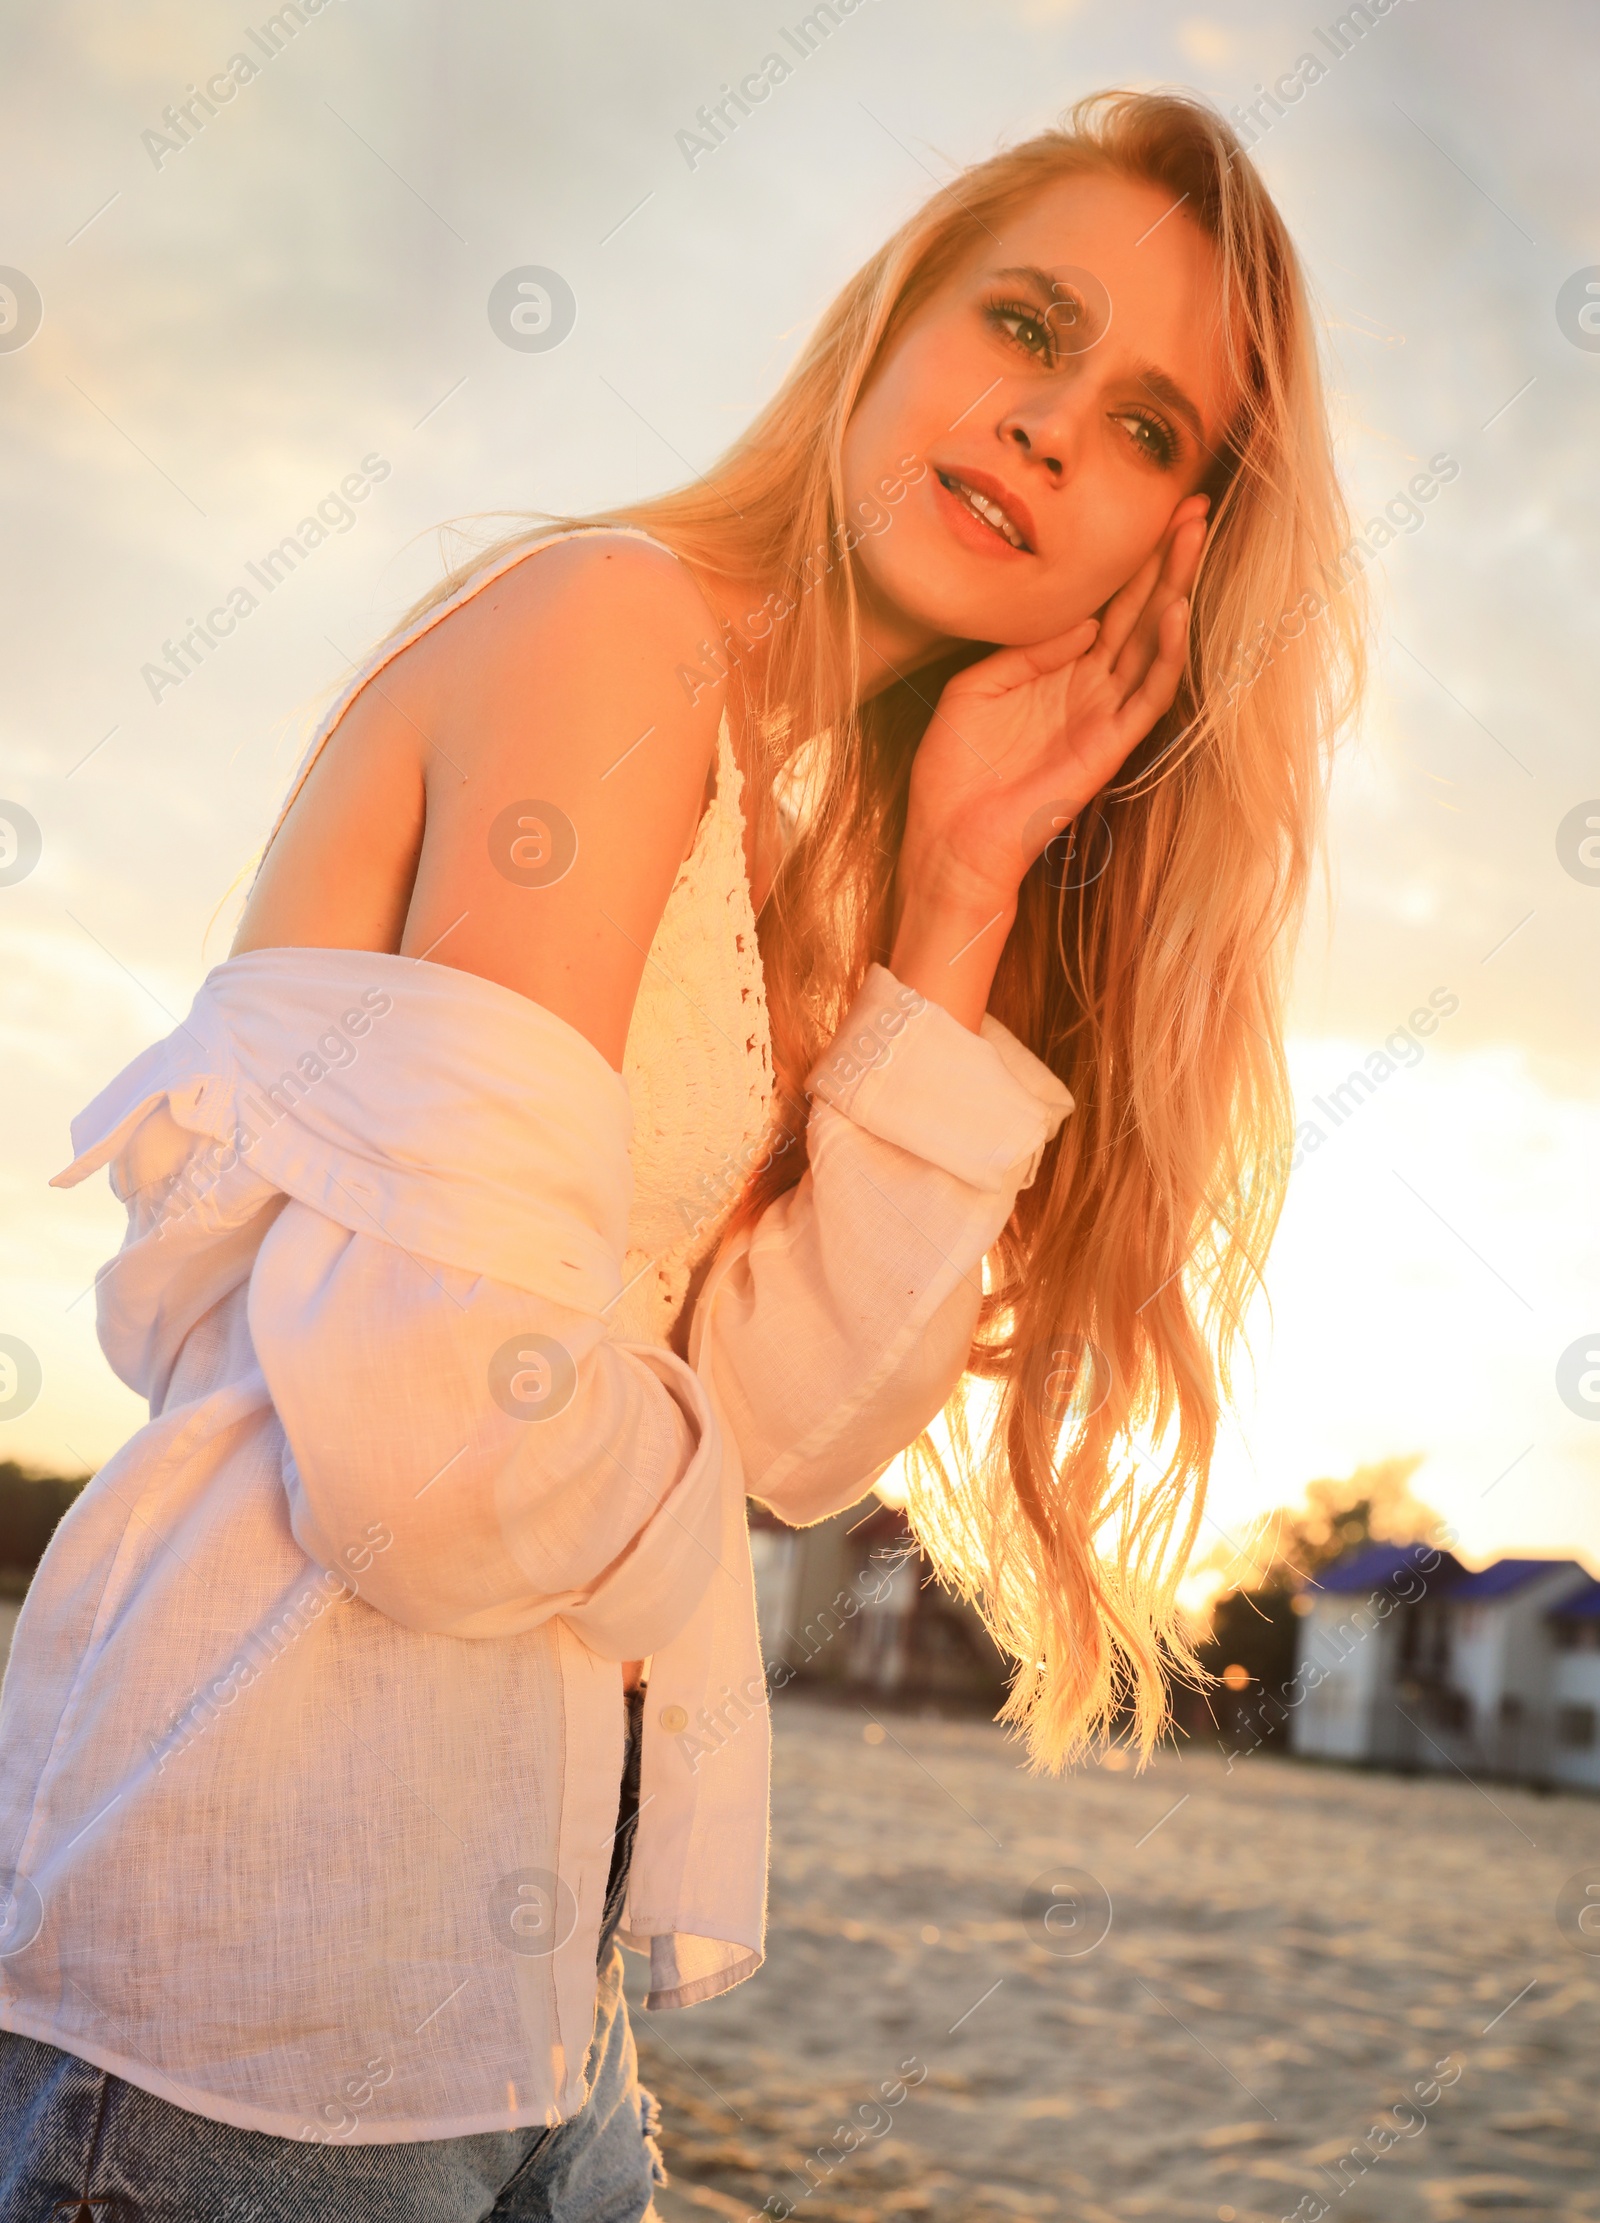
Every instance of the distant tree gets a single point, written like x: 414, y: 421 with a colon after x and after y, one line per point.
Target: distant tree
x: 1250, y: 1643
x: 1283, y: 1549
x: 1374, y: 1505
x: 31, y: 1504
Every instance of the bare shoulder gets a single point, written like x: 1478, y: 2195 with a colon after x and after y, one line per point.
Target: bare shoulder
x: 592, y: 588
x: 511, y: 793
x: 566, y: 770
x: 596, y: 623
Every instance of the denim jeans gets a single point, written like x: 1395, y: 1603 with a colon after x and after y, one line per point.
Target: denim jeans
x: 79, y: 2145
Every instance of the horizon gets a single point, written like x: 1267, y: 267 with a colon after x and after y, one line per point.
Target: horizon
x: 236, y: 329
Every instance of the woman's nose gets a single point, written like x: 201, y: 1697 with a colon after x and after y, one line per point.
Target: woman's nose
x: 1037, y: 450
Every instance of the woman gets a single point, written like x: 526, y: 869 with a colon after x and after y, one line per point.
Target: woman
x: 508, y: 1207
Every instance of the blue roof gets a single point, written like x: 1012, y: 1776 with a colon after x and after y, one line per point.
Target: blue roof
x: 1503, y: 1576
x: 1584, y: 1605
x: 1376, y: 1564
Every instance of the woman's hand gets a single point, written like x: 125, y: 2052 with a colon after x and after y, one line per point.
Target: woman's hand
x: 1017, y: 746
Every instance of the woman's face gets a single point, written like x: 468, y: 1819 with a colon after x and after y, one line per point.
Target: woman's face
x: 1067, y: 389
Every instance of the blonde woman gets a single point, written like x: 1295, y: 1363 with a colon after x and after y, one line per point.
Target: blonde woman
x: 643, y: 1078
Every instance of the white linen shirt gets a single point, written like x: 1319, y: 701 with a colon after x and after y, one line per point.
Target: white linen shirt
x: 311, y: 1737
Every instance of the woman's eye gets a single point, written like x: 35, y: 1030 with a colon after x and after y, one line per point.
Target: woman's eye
x: 1025, y: 326
x: 1152, y: 436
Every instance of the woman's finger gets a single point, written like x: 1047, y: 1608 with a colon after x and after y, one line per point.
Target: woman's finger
x: 1157, y: 690
x: 1016, y: 667
x: 1131, y: 602
x: 1122, y: 611
x: 1176, y: 577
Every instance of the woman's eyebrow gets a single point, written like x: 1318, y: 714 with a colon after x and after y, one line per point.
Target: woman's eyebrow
x: 1166, y: 389
x: 1030, y: 275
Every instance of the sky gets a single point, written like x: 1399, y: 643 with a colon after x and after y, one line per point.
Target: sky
x: 298, y: 297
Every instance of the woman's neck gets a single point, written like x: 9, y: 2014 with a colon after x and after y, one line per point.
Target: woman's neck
x: 892, y: 644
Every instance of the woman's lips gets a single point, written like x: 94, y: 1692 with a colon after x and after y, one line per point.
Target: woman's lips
x: 984, y: 513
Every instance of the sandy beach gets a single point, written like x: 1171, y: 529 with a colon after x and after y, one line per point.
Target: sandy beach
x: 1302, y: 1964
x: 1296, y: 1957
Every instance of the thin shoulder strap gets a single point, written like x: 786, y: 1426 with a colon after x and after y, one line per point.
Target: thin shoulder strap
x: 388, y: 650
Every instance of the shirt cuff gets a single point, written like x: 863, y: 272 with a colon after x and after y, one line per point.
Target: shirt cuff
x: 981, y: 1105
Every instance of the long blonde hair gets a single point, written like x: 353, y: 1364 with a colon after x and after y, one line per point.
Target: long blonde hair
x: 1066, y: 1509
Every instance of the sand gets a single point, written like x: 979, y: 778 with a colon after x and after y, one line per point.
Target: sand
x: 1292, y: 1950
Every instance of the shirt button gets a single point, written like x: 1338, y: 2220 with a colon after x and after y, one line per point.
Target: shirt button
x: 672, y: 1719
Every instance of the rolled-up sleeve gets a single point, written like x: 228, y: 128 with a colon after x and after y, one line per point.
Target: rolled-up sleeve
x: 476, y: 1458
x: 424, y: 1181
x: 841, y: 1324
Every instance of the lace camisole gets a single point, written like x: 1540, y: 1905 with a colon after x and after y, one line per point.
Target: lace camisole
x: 698, y: 1065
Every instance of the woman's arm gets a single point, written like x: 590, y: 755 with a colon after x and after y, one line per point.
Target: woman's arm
x: 518, y: 1463
x: 839, y: 1326
x: 506, y: 1461
x: 565, y: 690
x: 554, y: 684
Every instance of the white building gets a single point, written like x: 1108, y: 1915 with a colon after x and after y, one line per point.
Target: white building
x: 1365, y: 1627
x: 1407, y: 1659
x: 1575, y: 1688
x: 851, y: 1600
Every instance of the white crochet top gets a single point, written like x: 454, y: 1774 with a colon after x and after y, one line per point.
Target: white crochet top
x: 698, y: 1065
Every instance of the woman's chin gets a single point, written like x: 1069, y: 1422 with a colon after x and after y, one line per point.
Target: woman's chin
x: 930, y: 595
x: 921, y: 603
